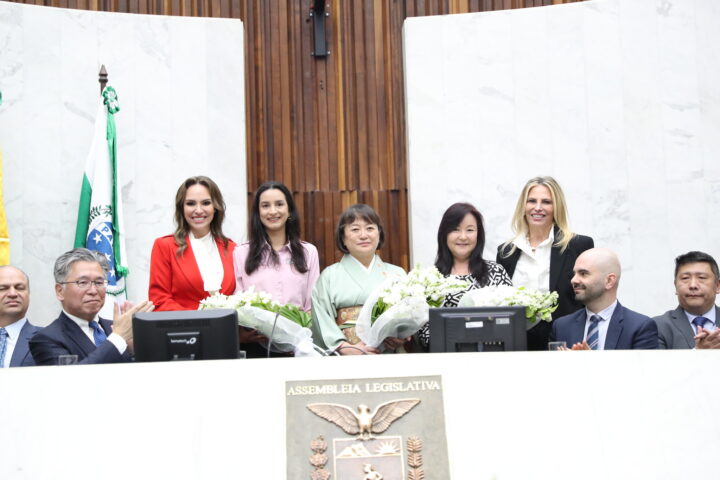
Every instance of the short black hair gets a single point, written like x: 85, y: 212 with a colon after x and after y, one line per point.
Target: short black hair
x: 354, y: 212
x: 695, y: 257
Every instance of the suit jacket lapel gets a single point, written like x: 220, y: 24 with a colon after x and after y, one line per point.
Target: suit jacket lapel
x: 106, y: 326
x: 21, y: 347
x: 76, y: 336
x: 615, y: 328
x: 556, y: 263
x: 228, y: 269
x: 680, y: 321
x: 189, y: 268
x: 577, y: 334
x: 512, y: 261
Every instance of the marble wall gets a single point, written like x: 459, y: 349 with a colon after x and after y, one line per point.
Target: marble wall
x: 180, y: 83
x: 618, y: 100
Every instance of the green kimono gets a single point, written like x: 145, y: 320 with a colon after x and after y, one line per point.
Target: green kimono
x: 343, y: 284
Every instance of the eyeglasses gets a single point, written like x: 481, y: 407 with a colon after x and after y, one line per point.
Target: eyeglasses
x: 85, y: 284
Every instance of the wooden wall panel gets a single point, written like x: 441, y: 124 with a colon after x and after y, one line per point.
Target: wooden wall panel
x: 332, y: 129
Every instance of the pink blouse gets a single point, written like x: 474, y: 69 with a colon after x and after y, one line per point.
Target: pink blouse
x: 282, y: 281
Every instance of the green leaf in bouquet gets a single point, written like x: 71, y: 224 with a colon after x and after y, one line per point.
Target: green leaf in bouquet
x: 378, y: 309
x: 437, y: 303
x: 269, y: 306
x: 297, y: 315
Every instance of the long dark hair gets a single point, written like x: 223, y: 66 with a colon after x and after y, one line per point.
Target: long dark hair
x: 453, y: 217
x: 182, y: 228
x: 260, y: 248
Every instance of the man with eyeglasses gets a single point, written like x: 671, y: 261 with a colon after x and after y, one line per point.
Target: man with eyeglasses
x: 80, y: 282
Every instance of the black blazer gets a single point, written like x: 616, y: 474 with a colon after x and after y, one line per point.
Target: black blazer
x: 561, y: 272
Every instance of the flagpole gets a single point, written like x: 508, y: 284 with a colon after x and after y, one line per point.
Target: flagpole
x: 102, y: 78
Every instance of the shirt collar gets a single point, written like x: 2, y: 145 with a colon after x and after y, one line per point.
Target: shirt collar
x: 81, y: 322
x: 710, y: 315
x: 284, y: 247
x: 13, y: 330
x: 605, y: 314
x: 523, y: 242
x: 205, y: 238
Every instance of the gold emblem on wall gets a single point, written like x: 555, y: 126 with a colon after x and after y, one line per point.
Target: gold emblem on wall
x: 363, y: 423
x: 364, y: 430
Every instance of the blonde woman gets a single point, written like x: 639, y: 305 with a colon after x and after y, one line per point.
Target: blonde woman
x: 543, y: 251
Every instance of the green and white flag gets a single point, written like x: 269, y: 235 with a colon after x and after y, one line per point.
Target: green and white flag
x: 100, y: 224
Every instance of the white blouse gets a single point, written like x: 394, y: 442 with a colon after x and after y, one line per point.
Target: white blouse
x: 208, y: 261
x: 533, y: 268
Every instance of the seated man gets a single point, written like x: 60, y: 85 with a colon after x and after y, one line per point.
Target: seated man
x: 15, y: 329
x: 81, y: 279
x: 603, y: 324
x: 693, y: 324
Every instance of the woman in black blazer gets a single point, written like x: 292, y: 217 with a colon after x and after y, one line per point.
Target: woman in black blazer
x: 543, y: 252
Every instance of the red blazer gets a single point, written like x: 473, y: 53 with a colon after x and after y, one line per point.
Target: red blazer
x: 176, y: 283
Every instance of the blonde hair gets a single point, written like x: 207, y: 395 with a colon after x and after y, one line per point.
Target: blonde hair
x: 519, y: 222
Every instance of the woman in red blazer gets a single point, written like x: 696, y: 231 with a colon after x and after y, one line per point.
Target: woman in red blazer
x: 179, y: 276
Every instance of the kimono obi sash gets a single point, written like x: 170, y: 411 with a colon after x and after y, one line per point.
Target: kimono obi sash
x: 346, y: 319
x: 347, y: 315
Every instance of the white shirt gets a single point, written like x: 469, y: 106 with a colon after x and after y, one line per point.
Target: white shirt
x: 533, y: 268
x: 84, y: 325
x: 710, y: 315
x: 603, y: 325
x: 208, y: 261
x: 13, y: 331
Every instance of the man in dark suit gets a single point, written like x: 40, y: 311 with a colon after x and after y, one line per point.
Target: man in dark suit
x: 81, y: 279
x: 603, y: 324
x: 15, y: 329
x: 693, y: 324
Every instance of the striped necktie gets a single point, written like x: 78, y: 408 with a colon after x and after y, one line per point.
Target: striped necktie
x: 699, y: 322
x: 593, y: 334
x: 98, y: 333
x: 3, y: 345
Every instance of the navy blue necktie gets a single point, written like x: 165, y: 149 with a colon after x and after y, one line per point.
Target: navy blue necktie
x: 98, y: 333
x: 699, y: 322
x: 593, y: 335
x: 3, y: 345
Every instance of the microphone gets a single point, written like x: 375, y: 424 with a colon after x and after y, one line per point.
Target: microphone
x: 272, y: 332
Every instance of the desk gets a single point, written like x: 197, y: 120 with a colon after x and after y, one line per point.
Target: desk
x: 508, y: 415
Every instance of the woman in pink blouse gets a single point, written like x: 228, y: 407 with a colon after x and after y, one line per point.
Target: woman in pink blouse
x: 275, y: 260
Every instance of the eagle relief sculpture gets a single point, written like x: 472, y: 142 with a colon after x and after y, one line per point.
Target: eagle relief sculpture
x: 363, y: 423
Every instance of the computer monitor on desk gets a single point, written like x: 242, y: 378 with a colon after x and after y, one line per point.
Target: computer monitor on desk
x: 478, y: 329
x: 186, y: 335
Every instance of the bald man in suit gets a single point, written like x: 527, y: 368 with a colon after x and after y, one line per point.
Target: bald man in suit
x: 604, y: 324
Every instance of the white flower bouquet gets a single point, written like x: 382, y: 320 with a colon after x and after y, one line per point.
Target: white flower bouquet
x: 400, y: 306
x: 538, y: 305
x: 257, y: 310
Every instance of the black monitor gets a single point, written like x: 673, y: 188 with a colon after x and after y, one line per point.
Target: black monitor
x: 186, y: 335
x: 478, y: 329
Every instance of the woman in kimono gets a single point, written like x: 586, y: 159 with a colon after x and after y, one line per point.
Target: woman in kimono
x: 343, y: 287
